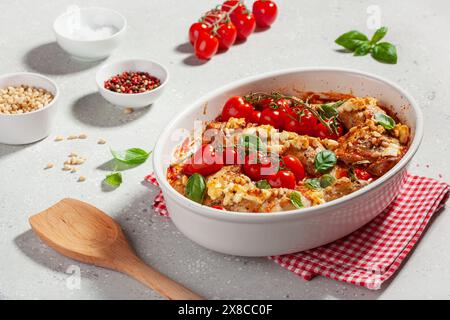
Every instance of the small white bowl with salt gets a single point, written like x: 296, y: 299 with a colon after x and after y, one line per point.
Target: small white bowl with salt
x: 89, y: 33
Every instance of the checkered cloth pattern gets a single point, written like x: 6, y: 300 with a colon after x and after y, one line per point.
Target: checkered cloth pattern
x: 372, y: 254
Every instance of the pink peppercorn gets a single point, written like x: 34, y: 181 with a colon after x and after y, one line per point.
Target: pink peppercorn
x: 132, y: 82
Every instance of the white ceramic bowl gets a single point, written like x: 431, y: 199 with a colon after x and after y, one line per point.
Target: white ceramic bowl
x: 134, y: 100
x: 66, y: 25
x: 250, y: 234
x: 31, y: 126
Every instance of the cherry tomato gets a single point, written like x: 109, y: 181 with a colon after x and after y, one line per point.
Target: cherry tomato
x: 229, y: 156
x: 206, y: 45
x: 218, y: 207
x: 257, y: 166
x: 283, y: 104
x: 362, y: 174
x: 282, y: 179
x: 265, y: 13
x: 236, y: 107
x: 341, y: 173
x: 244, y: 23
x: 293, y: 164
x: 226, y: 33
x: 265, y: 103
x: 273, y: 117
x: 322, y: 132
x: 214, y: 16
x: 228, y: 5
x: 300, y: 121
x: 205, y: 162
x: 195, y: 30
x: 255, y: 116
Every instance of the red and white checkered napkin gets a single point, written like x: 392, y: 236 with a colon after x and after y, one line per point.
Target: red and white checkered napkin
x: 370, y: 255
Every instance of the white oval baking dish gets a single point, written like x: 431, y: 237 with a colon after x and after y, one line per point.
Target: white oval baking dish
x: 250, y: 234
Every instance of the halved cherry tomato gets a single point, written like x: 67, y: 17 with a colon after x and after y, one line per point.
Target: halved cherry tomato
x: 244, y: 23
x: 322, y: 132
x: 257, y: 166
x: 255, y: 116
x: 236, y: 107
x: 226, y: 33
x: 293, y: 164
x: 204, y: 161
x: 206, y: 45
x: 195, y: 30
x: 228, y: 5
x: 362, y: 174
x: 265, y: 12
x: 273, y: 117
x: 218, y: 207
x: 282, y: 179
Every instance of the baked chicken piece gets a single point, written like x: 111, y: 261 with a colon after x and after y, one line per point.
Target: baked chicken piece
x: 356, y: 111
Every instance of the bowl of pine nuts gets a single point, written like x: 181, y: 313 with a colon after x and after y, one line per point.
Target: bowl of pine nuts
x: 27, y: 107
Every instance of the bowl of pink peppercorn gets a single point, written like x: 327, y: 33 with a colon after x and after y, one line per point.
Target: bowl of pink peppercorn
x: 134, y: 83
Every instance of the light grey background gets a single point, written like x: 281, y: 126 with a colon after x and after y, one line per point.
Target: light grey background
x: 303, y: 35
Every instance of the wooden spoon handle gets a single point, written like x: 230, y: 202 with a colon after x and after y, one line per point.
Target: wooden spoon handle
x: 157, y: 281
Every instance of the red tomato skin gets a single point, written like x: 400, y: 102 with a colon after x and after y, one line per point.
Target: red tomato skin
x: 229, y: 156
x: 195, y: 30
x: 244, y: 23
x: 214, y: 16
x: 282, y: 179
x: 294, y: 164
x: 218, y: 207
x: 265, y: 13
x: 205, y: 162
x: 272, y: 117
x: 322, y: 132
x: 255, y: 117
x: 235, y: 107
x: 362, y: 174
x: 257, y: 166
x: 265, y: 103
x: 206, y: 46
x: 226, y: 34
x: 341, y: 173
x: 228, y: 5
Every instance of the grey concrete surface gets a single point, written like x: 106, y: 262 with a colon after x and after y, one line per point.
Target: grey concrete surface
x: 302, y: 36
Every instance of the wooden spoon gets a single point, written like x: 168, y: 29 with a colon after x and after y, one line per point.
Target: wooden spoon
x: 84, y: 233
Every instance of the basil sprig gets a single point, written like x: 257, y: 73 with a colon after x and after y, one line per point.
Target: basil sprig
x: 324, y: 161
x: 114, y: 179
x: 360, y: 45
x: 296, y: 199
x: 196, y: 187
x: 131, y: 156
x: 384, y: 120
x: 263, y: 184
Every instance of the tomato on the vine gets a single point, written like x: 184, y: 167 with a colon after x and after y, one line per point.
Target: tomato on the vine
x: 228, y: 5
x: 244, y: 23
x: 273, y: 117
x: 265, y: 12
x: 255, y: 117
x: 236, y: 107
x: 204, y: 161
x: 321, y: 131
x: 362, y: 174
x: 214, y: 16
x: 300, y: 121
x: 226, y: 33
x: 282, y: 179
x: 195, y: 30
x: 265, y: 103
x: 258, y: 166
x: 206, y: 45
x: 293, y: 164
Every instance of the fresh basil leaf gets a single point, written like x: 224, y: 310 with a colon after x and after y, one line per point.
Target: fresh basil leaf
x: 114, y: 179
x: 363, y: 49
x: 296, y: 199
x: 327, y: 180
x: 263, y: 184
x: 384, y: 120
x: 324, y: 161
x: 196, y: 188
x: 131, y: 156
x: 250, y: 142
x: 312, y: 183
x: 385, y: 52
x: 378, y: 35
x: 351, y: 40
